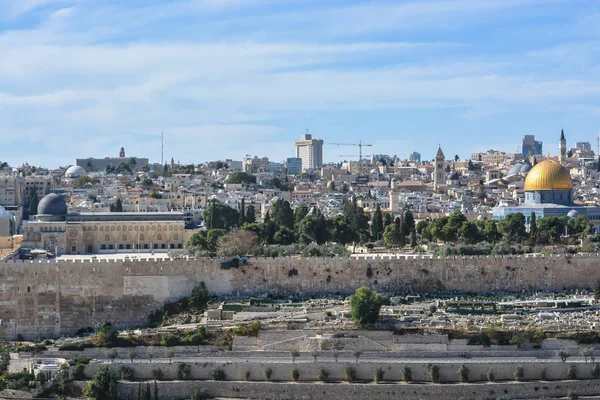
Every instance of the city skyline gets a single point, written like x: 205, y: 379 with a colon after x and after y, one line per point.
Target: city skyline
x: 223, y: 79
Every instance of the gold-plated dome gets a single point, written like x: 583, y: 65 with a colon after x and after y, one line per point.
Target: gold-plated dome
x: 548, y: 175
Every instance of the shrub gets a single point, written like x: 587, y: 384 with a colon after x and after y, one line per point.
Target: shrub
x: 251, y: 329
x: 542, y: 374
x: 322, y: 375
x: 519, y: 373
x: 200, y: 394
x: 463, y: 373
x: 81, y: 360
x: 79, y: 372
x: 132, y: 354
x: 247, y: 374
x: 158, y: 374
x: 596, y: 371
x: 350, y: 374
x: 336, y: 355
x: 434, y: 373
x: 218, y: 374
x: 572, y: 372
x: 357, y: 354
x: 294, y: 354
x: 169, y: 340
x: 295, y: 374
x: 378, y: 375
x: 41, y: 377
x: 112, y: 354
x: 268, y: 373
x: 184, y: 371
x: 406, y: 374
x: 314, y: 354
x: 127, y: 374
x: 169, y: 354
x: 103, y: 386
x: 490, y: 375
x: 563, y: 354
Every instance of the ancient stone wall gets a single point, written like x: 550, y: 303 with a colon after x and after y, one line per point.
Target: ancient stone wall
x: 58, y: 297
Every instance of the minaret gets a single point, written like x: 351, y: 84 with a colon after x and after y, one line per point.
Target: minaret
x: 562, y: 148
x: 439, y: 174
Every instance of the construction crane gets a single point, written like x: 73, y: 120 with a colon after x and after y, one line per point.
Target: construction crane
x: 360, y: 145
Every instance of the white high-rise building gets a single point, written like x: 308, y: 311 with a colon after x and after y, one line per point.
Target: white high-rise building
x: 310, y: 151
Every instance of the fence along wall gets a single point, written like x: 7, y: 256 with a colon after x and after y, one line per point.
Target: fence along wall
x: 57, y: 297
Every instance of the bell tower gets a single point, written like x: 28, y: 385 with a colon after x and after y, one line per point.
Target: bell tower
x: 439, y: 174
x: 562, y: 148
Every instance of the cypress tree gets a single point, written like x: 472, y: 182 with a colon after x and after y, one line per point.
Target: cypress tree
x: 409, y: 222
x: 250, y: 214
x: 376, y: 223
x: 242, y: 212
x: 533, y: 231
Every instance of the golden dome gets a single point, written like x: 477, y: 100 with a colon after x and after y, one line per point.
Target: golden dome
x: 548, y: 175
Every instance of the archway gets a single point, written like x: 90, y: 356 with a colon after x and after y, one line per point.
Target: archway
x: 90, y: 249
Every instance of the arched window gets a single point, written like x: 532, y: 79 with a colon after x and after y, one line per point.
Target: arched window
x: 175, y: 237
x: 119, y: 228
x: 153, y: 227
x: 159, y: 237
x: 124, y: 238
x: 101, y: 229
x: 107, y: 238
x: 112, y: 228
x: 142, y: 237
x: 129, y: 228
x: 160, y: 228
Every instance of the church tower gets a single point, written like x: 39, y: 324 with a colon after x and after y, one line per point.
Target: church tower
x: 439, y: 174
x: 122, y: 152
x: 562, y: 148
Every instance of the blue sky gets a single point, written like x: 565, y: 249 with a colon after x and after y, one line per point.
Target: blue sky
x: 225, y: 78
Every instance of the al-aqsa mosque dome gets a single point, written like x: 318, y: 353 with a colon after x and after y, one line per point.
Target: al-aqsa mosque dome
x: 548, y: 175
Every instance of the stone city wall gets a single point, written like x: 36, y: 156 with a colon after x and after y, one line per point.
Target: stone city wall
x: 53, y: 298
x: 267, y: 390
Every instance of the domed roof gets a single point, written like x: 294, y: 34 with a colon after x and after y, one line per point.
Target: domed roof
x: 573, y: 214
x: 75, y: 171
x: 4, y: 213
x: 525, y: 168
x: 515, y: 169
x: 548, y: 175
x: 52, y: 204
x: 453, y: 176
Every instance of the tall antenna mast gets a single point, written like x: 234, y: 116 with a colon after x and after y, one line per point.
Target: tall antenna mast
x: 162, y: 141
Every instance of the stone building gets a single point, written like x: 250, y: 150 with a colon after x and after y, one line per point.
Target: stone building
x: 55, y: 229
x: 549, y: 192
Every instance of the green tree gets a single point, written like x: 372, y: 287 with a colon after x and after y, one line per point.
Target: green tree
x: 198, y: 241
x: 359, y: 221
x: 376, y: 223
x: 313, y: 228
x: 469, y: 232
x: 242, y: 220
x: 470, y: 166
x: 490, y: 231
x: 250, y: 214
x: 299, y: 214
x: 387, y: 219
x: 365, y: 305
x: 199, y: 299
x: 220, y: 216
x: 212, y: 237
x: 241, y: 177
x: 533, y: 229
x: 284, y: 236
x: 392, y: 236
x: 118, y: 207
x: 341, y: 230
x: 409, y: 222
x: 512, y: 227
x: 103, y: 385
x: 550, y: 229
x: 282, y: 214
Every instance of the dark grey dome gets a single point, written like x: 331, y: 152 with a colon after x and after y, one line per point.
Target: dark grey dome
x: 52, y: 204
x: 525, y: 168
x: 453, y: 176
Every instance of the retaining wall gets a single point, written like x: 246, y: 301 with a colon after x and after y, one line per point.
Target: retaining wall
x: 54, y: 298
